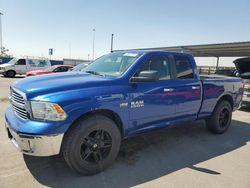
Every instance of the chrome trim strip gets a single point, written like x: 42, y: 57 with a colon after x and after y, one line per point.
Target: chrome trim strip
x: 18, y: 100
x: 20, y: 93
x: 14, y: 103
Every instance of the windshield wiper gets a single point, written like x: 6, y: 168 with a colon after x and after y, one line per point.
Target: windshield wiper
x: 93, y: 72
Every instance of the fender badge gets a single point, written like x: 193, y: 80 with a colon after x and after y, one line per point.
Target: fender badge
x: 124, y: 104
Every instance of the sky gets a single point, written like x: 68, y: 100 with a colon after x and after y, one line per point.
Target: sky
x: 31, y: 27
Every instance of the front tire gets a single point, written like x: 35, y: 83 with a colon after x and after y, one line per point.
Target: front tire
x: 221, y: 118
x: 10, y: 74
x: 91, y: 145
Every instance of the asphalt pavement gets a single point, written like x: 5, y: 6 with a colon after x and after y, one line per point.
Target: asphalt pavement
x: 183, y: 156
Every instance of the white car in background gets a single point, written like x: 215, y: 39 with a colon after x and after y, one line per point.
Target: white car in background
x: 23, y: 65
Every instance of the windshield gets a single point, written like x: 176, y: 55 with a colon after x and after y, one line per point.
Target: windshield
x: 245, y: 75
x: 79, y: 67
x: 113, y: 64
x: 13, y: 61
x: 50, y: 69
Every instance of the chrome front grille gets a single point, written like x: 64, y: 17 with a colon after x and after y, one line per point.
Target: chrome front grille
x: 18, y: 103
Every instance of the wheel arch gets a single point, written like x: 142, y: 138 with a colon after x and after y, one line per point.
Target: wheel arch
x: 226, y: 97
x: 105, y: 112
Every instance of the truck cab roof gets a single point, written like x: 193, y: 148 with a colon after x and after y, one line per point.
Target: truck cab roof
x: 153, y: 51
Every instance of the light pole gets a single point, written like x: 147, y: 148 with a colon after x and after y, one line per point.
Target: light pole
x: 1, y: 45
x: 70, y: 50
x: 93, y: 52
x: 112, y: 37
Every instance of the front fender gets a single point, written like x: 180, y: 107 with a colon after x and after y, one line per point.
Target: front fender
x: 77, y: 103
x: 80, y: 109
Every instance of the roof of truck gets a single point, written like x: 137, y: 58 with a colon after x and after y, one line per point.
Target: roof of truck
x: 150, y: 51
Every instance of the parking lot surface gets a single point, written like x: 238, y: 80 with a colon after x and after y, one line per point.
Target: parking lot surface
x: 183, y: 156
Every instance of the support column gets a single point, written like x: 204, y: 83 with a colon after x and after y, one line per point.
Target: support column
x: 217, y: 63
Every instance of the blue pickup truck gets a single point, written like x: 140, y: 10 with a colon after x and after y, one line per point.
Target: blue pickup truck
x: 85, y: 115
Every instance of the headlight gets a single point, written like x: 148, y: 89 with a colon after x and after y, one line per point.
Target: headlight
x: 247, y: 86
x: 47, y: 111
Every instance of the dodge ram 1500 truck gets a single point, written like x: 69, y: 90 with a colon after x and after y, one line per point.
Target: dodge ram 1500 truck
x: 85, y: 115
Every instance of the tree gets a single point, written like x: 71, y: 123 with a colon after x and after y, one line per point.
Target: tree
x: 4, y: 52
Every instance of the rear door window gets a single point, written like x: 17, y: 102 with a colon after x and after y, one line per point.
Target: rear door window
x: 184, y: 68
x: 42, y: 63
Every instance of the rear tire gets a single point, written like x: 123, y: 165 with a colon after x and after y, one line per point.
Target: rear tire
x: 10, y: 74
x: 91, y: 145
x: 221, y: 118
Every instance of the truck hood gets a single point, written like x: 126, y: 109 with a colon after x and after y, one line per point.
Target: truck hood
x: 53, y: 83
x: 6, y: 65
x: 243, y: 67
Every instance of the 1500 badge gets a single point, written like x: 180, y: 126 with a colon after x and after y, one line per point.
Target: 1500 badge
x: 137, y: 104
x: 133, y: 104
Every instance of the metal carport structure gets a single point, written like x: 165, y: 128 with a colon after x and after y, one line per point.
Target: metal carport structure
x: 233, y: 49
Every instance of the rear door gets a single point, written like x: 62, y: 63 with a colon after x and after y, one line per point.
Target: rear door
x: 187, y: 88
x: 37, y: 64
x: 42, y: 64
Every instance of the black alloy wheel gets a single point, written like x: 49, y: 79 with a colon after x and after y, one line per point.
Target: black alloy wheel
x: 220, y: 120
x: 91, y: 144
x: 96, y: 146
x: 224, y: 117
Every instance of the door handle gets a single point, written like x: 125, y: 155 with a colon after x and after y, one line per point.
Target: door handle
x: 168, y: 89
x: 195, y: 87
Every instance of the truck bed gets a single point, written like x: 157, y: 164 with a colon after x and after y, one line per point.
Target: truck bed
x: 216, y: 76
x: 214, y: 86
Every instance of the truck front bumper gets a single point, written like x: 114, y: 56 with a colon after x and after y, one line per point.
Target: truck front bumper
x: 246, y: 99
x: 36, y: 145
x: 2, y: 71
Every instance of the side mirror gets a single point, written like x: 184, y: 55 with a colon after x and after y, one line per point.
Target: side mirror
x: 146, y: 76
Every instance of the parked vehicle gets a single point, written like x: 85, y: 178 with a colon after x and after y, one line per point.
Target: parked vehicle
x: 85, y: 115
x: 21, y: 66
x: 57, y: 62
x: 5, y: 60
x: 226, y: 72
x: 52, y: 69
x: 74, y: 62
x: 243, y: 68
x: 79, y: 68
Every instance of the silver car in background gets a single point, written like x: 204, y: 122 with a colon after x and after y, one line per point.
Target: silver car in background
x: 243, y: 67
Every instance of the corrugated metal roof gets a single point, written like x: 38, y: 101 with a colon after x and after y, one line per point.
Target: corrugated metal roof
x: 233, y: 49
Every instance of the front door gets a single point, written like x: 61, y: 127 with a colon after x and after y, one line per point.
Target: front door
x: 152, y: 104
x: 20, y: 66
